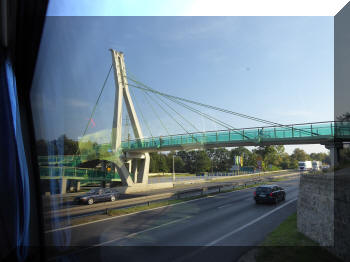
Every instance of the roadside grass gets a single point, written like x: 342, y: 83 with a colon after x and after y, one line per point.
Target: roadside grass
x: 257, y: 175
x: 129, y: 210
x: 285, y: 243
x: 279, y: 179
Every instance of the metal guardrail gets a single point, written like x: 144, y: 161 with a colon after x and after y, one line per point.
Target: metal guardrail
x: 145, y: 200
x: 83, y: 209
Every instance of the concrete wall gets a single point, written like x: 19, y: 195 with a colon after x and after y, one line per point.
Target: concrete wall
x: 324, y: 210
x: 316, y: 208
x: 342, y: 214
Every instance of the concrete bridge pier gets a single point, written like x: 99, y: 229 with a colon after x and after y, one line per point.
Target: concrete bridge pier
x: 334, y: 149
x: 65, y: 184
x: 139, y: 166
x: 134, y: 169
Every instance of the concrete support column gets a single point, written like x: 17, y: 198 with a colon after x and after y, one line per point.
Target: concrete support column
x: 334, y: 156
x: 129, y: 166
x: 78, y: 186
x: 334, y: 152
x: 134, y: 169
x: 63, y: 186
x: 144, y: 169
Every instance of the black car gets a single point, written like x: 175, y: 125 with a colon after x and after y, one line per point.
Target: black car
x: 98, y: 195
x: 269, y: 194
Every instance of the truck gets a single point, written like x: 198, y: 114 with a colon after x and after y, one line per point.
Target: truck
x: 316, y: 165
x: 305, y: 165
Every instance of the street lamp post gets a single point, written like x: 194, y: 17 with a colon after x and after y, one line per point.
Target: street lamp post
x: 173, y: 168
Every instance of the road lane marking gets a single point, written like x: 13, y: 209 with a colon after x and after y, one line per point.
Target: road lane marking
x: 120, y: 238
x: 227, y: 205
x: 115, y: 217
x: 187, y: 257
x: 142, y: 211
x: 142, y: 231
x: 250, y: 223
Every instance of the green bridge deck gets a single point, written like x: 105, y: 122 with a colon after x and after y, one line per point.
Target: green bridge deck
x: 74, y: 173
x: 311, y: 133
x: 53, y: 167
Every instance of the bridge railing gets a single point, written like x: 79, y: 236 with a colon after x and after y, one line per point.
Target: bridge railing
x: 324, y: 130
x: 67, y: 160
x: 51, y: 172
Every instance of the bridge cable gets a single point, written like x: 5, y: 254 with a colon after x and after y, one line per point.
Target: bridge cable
x: 217, y: 121
x: 181, y: 116
x: 216, y: 108
x: 194, y: 127
x: 139, y: 108
x: 167, y: 112
x: 94, y: 108
x: 172, y: 117
x: 155, y: 112
x: 204, y: 105
x: 227, y: 126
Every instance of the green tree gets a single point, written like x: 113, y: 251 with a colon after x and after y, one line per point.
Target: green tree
x: 324, y: 157
x: 158, y: 163
x: 220, y: 159
x: 271, y: 155
x: 300, y: 155
x: 154, y: 162
x: 163, y: 165
x: 202, y: 161
x: 286, y: 161
x: 179, y: 165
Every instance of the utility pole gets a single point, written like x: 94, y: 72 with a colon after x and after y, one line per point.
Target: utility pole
x: 174, y: 168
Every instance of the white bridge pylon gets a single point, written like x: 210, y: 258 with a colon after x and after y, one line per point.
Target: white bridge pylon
x: 138, y: 163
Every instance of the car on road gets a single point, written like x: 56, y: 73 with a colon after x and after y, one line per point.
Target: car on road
x: 97, y: 195
x: 269, y: 194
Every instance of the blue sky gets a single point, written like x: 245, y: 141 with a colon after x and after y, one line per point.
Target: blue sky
x: 275, y: 68
x: 119, y: 7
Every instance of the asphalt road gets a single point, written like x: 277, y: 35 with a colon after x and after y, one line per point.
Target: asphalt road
x: 220, y: 227
x: 67, y: 201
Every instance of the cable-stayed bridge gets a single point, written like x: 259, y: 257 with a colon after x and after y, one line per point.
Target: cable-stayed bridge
x: 131, y: 154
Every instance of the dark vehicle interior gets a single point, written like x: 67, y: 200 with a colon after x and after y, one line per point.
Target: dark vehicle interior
x: 21, y: 227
